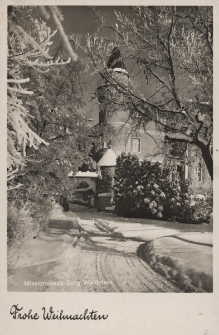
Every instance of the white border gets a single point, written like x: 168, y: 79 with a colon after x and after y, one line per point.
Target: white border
x: 133, y: 313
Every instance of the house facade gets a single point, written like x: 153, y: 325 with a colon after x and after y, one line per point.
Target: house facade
x: 191, y: 165
x: 119, y: 136
x: 145, y: 143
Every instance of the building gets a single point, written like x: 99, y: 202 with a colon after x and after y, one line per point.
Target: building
x: 119, y: 135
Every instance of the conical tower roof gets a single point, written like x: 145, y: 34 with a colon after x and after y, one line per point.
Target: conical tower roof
x: 116, y: 60
x: 108, y: 159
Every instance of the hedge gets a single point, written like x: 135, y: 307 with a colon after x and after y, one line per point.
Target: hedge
x: 144, y: 189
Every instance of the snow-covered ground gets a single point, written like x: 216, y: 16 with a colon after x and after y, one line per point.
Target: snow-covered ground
x: 103, y: 255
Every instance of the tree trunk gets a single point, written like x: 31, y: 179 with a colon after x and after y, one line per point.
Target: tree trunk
x: 207, y: 158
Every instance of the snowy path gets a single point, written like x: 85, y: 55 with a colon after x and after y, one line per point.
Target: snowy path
x: 92, y: 260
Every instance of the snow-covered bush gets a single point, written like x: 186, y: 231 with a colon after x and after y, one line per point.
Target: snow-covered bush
x: 136, y: 191
x: 202, y: 209
x: 127, y: 194
x: 144, y: 189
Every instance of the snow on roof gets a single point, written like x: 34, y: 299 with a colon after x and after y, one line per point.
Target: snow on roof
x: 108, y: 159
x: 119, y: 69
x: 83, y: 174
x: 178, y: 136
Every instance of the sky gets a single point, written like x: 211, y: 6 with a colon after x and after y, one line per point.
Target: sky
x: 82, y: 20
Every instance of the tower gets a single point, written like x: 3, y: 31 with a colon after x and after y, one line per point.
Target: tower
x: 113, y: 115
x: 118, y: 129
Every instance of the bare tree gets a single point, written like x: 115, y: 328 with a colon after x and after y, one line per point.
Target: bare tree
x: 172, y: 48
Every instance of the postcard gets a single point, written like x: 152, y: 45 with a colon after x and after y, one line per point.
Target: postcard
x: 109, y: 212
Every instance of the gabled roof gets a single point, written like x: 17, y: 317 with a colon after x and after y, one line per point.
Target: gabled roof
x: 108, y: 159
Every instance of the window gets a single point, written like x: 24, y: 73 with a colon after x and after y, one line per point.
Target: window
x: 136, y: 145
x: 198, y: 173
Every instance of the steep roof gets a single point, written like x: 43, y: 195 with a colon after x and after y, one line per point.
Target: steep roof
x: 108, y: 159
x: 116, y: 60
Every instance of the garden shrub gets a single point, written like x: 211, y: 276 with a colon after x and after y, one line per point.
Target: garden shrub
x: 127, y: 196
x: 153, y: 195
x: 177, y: 204
x: 136, y: 192
x: 143, y: 189
x: 201, y: 209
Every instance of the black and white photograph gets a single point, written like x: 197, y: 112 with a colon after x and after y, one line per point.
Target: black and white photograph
x: 108, y: 186
x: 110, y: 149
